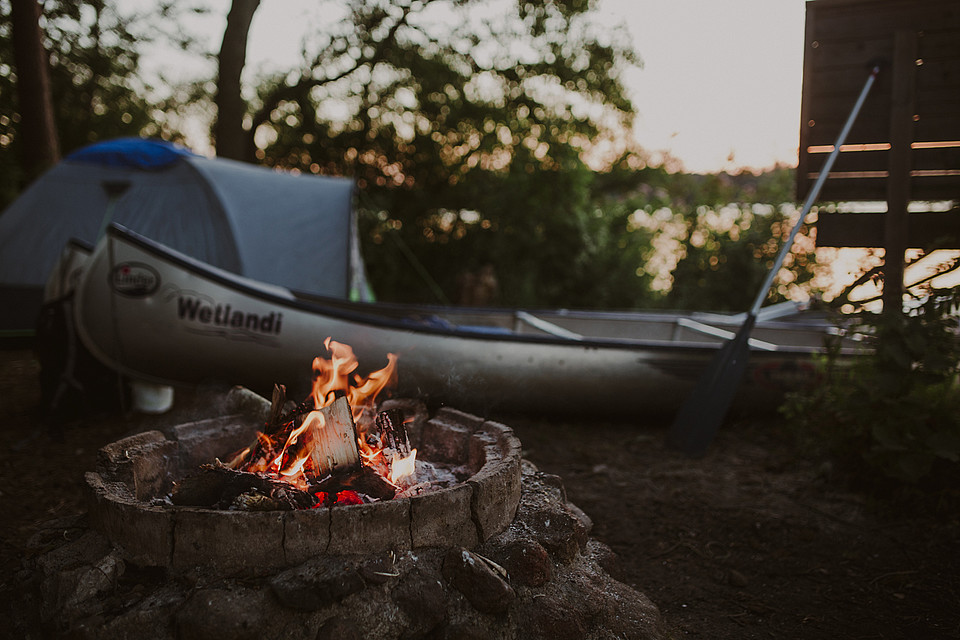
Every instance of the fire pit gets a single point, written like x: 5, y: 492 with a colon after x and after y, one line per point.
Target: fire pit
x: 453, y: 536
x: 134, y: 475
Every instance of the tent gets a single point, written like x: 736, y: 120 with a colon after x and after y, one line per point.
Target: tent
x: 291, y: 230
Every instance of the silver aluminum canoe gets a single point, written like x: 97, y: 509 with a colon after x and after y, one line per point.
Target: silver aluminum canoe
x: 152, y: 313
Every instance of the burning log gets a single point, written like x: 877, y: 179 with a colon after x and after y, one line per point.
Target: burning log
x: 393, y: 433
x: 362, y: 480
x: 317, y: 447
x: 218, y: 487
x: 327, y: 437
x: 276, y: 406
x: 333, y: 438
x: 395, y: 445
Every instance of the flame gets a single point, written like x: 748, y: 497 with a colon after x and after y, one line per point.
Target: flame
x: 403, y: 467
x: 334, y: 376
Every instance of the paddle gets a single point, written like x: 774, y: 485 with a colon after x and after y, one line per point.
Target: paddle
x: 698, y: 420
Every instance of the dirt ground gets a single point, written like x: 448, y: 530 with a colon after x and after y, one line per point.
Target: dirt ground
x: 751, y: 541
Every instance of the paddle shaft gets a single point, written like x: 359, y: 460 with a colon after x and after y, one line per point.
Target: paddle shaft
x: 700, y: 416
x: 814, y: 193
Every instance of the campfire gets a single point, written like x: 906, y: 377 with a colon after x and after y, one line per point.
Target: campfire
x: 334, y: 448
x: 315, y: 523
x: 343, y: 470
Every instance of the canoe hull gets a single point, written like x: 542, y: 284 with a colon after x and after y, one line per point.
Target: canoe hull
x: 159, y: 316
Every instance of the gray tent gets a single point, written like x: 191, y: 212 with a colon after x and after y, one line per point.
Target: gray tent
x: 285, y: 229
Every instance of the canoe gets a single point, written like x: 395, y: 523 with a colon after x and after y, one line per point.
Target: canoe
x: 154, y: 314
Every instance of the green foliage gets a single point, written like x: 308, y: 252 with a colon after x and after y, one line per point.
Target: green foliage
x: 466, y: 143
x: 94, y: 64
x: 716, y: 238
x: 735, y: 227
x: 552, y: 240
x: 467, y: 131
x: 723, y: 266
x: 897, y: 411
x: 95, y: 78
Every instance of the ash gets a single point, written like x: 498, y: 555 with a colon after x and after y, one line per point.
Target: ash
x: 431, y: 476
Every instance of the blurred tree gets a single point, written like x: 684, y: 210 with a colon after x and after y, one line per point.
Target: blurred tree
x: 95, y: 78
x: 228, y: 129
x: 467, y: 129
x: 734, y: 228
x: 94, y: 54
x: 40, y: 148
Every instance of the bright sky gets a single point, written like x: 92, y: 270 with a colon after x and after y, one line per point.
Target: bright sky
x: 719, y: 89
x: 720, y: 85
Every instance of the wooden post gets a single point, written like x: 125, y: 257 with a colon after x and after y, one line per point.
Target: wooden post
x: 896, y: 223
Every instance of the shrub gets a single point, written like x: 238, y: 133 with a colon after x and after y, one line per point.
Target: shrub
x: 895, y: 411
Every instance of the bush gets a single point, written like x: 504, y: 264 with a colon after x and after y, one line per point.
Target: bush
x: 896, y: 411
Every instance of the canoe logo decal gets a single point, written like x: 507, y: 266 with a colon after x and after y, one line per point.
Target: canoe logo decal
x: 223, y: 319
x: 134, y: 279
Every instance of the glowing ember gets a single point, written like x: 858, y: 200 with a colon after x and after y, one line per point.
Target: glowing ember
x: 346, y: 496
x: 306, y: 449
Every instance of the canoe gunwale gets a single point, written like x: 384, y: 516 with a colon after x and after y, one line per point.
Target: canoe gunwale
x: 335, y: 308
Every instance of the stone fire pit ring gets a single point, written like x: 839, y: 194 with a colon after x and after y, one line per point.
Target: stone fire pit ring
x: 132, y: 476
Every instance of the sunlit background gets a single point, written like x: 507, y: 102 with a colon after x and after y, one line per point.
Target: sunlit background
x: 719, y: 88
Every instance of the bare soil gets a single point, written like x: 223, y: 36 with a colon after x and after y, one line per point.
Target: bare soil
x: 752, y: 541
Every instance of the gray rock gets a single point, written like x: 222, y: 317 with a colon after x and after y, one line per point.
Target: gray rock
x: 527, y: 562
x: 316, y: 584
x: 339, y: 628
x: 75, y: 575
x: 483, y: 588
x: 558, y: 530
x: 422, y: 597
x: 379, y: 570
x: 628, y: 614
x: 153, y: 612
x: 463, y: 632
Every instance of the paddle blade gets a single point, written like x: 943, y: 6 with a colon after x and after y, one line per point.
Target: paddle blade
x: 701, y: 415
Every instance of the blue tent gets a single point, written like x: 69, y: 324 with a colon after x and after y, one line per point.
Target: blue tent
x: 291, y: 230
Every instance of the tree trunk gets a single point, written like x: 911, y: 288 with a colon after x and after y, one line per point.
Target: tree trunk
x: 39, y: 146
x: 228, y: 130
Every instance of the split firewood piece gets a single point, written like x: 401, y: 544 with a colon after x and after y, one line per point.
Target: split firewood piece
x: 393, y: 433
x: 333, y: 438
x: 219, y: 487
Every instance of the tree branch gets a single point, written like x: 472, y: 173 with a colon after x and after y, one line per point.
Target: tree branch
x: 954, y: 266
x: 286, y: 92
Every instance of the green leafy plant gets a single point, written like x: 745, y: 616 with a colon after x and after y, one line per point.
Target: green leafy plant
x: 895, y: 412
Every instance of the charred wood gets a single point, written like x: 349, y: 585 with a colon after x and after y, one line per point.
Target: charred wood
x: 363, y: 480
x: 218, y: 487
x: 393, y: 433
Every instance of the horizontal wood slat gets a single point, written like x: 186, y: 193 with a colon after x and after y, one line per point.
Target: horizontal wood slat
x: 926, y: 230
x: 920, y: 159
x: 866, y: 18
x: 842, y: 39
x: 840, y: 189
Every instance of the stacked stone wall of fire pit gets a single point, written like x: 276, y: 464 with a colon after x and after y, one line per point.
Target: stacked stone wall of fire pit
x: 501, y: 555
x: 134, y: 474
x: 541, y: 578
